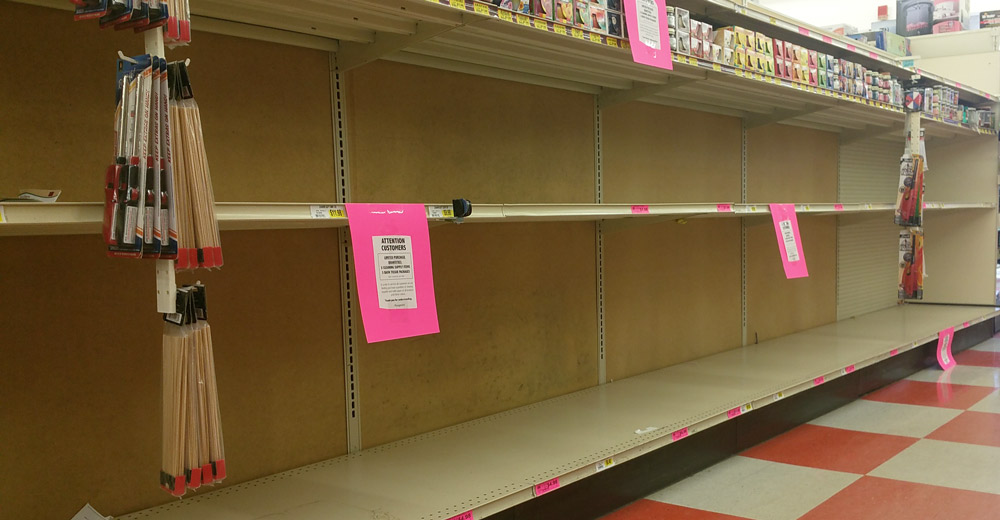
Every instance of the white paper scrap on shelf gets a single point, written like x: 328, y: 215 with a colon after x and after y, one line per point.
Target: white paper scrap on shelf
x: 788, y: 236
x: 397, y: 288
x: 89, y: 513
x: 646, y: 430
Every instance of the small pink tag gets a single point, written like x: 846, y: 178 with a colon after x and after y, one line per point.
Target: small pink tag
x: 735, y: 412
x: 546, y: 487
x: 893, y: 352
x: 818, y: 381
x: 958, y: 85
x: 464, y: 516
x: 640, y: 210
x: 923, y: 205
x: 988, y: 95
x: 849, y: 369
x: 851, y: 47
x: 838, y: 207
x: 803, y: 30
x: 873, y: 56
x: 828, y: 39
x: 966, y: 324
x: 724, y: 208
x: 679, y: 434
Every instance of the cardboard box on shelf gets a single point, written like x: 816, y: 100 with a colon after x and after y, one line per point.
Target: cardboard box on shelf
x: 581, y: 16
x: 683, y: 19
x: 615, y: 27
x: 727, y: 56
x: 697, y: 48
x: 740, y: 57
x: 947, y: 27
x: 564, y: 11
x: 543, y: 8
x: 599, y: 19
x: 725, y: 37
x: 684, y: 43
x: 813, y: 58
x: 716, y: 52
x: 778, y: 49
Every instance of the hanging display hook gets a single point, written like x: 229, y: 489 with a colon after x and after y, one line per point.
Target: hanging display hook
x: 123, y: 57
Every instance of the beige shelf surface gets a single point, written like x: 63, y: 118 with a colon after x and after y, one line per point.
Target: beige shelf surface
x: 493, y: 463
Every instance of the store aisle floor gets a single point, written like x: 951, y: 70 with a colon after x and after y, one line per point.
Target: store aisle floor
x: 926, y: 447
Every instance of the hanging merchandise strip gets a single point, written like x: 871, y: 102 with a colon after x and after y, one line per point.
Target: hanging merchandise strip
x: 138, y: 199
x: 911, y: 264
x: 174, y: 16
x: 910, y: 200
x: 193, y: 451
x: 197, y: 227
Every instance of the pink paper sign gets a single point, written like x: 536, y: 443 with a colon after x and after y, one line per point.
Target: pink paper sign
x: 646, y: 21
x: 724, y: 208
x: 873, y: 56
x: 392, y: 264
x: 827, y: 39
x: 893, y: 352
x: 679, y: 434
x: 819, y: 380
x: 848, y: 369
x: 640, y: 210
x: 546, y: 487
x: 838, y: 207
x: 851, y: 47
x: 464, y: 516
x: 944, y: 356
x: 786, y: 228
x: 803, y: 31
x: 965, y: 325
x: 735, y: 412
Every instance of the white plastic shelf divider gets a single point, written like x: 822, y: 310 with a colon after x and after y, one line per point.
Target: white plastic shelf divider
x: 493, y: 463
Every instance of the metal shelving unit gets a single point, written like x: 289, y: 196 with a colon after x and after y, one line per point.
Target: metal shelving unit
x: 491, y: 464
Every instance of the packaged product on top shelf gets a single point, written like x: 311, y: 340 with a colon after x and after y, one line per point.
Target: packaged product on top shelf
x: 542, y: 8
x: 178, y: 28
x: 193, y: 452
x: 616, y: 27
x: 523, y: 6
x: 197, y: 227
x: 581, y: 14
x: 564, y: 11
x: 911, y: 264
x: 599, y: 19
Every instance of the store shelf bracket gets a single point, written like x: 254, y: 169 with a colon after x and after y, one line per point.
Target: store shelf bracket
x: 869, y: 133
x: 611, y: 97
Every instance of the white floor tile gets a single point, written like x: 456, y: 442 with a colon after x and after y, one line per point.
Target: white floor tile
x: 948, y: 464
x: 888, y: 418
x: 961, y: 375
x: 989, y: 404
x: 756, y: 489
x: 990, y: 345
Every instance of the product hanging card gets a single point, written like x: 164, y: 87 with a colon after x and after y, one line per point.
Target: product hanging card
x: 392, y: 263
x: 646, y: 21
x: 786, y: 228
x: 945, y: 359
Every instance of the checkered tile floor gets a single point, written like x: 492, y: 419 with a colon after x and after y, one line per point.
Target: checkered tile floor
x: 926, y: 447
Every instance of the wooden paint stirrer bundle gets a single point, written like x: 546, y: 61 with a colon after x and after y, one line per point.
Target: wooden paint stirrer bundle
x: 193, y: 450
x: 198, y: 230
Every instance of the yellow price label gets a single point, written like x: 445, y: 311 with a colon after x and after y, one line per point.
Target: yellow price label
x: 577, y: 33
x: 773, y: 21
x: 541, y: 24
x: 769, y: 79
x: 524, y: 20
x: 448, y: 213
x: 482, y: 9
x: 458, y: 4
x: 505, y: 15
x: 338, y: 213
x: 753, y: 208
x: 560, y: 29
x: 612, y: 42
x: 3, y: 218
x: 717, y: 67
x: 596, y: 38
x: 740, y: 73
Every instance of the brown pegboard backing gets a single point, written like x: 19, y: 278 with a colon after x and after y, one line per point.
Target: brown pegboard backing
x: 654, y: 153
x: 426, y: 135
x: 518, y: 315
x: 81, y: 350
x: 265, y: 109
x: 791, y: 164
x: 672, y: 294
x: 777, y: 306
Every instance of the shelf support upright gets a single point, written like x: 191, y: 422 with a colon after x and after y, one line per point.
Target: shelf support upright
x: 602, y: 376
x: 338, y: 105
x: 166, y: 281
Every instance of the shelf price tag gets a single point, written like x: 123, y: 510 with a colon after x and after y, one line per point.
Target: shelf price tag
x: 3, y: 217
x: 440, y: 212
x: 325, y: 211
x: 640, y: 210
x: 851, y: 48
x: 559, y: 29
x: 803, y: 31
x: 577, y: 33
x: 838, y: 207
x: 594, y: 37
x: 604, y: 464
x: 485, y: 10
x: 716, y: 67
x: 738, y: 411
x: 612, y: 42
x: 724, y: 208
x: 679, y: 434
x: 847, y: 370
x: 827, y: 39
x: 524, y: 20
x: 458, y: 4
x: 541, y: 24
x: 778, y: 396
x: 965, y: 325
x: 873, y: 56
x: 505, y: 15
x: 893, y: 352
x: 546, y: 487
x: 464, y: 516
x: 819, y: 380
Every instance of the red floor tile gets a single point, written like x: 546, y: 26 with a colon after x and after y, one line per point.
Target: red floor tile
x: 885, y: 499
x: 971, y: 428
x: 978, y: 359
x: 833, y: 449
x: 653, y: 510
x: 959, y: 397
